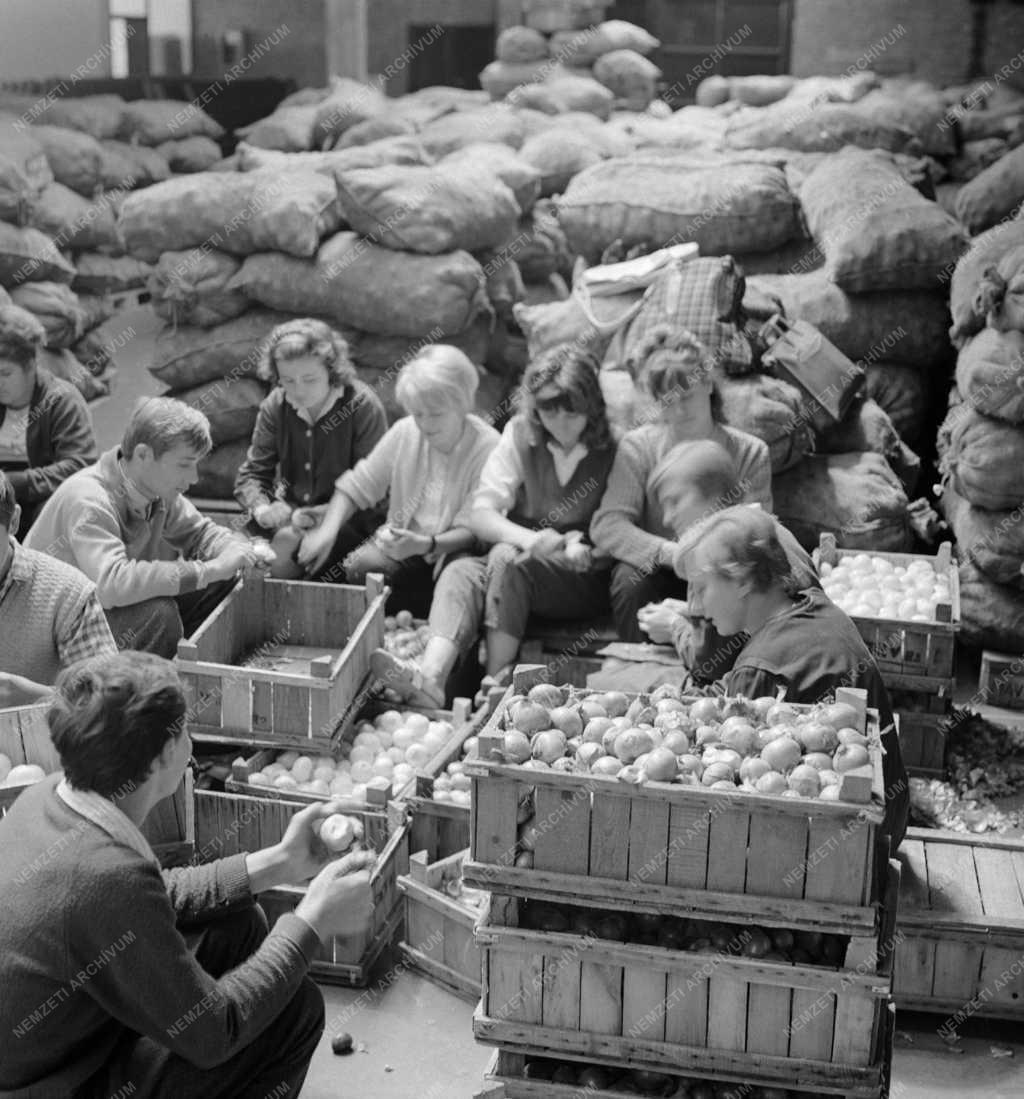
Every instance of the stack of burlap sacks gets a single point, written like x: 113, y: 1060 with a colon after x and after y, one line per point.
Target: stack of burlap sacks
x: 981, y: 442
x: 65, y: 168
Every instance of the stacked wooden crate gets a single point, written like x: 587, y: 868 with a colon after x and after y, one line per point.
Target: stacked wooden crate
x: 917, y: 660
x: 672, y: 850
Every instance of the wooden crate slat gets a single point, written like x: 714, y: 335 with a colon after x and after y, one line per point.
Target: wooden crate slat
x: 609, y: 835
x: 563, y: 819
x: 686, y: 1009
x: 643, y: 1002
x: 727, y: 1012
x: 952, y: 880
x: 687, y: 851
x: 854, y: 1029
x: 236, y: 703
x: 914, y: 967
x: 997, y: 884
x: 811, y: 1025
x: 956, y: 968
x: 648, y: 841
x: 838, y: 863
x: 495, y: 808
x: 561, y: 1006
x: 600, y: 998
x: 727, y: 851
x: 776, y: 848
x: 768, y: 1014
x: 291, y: 711
x: 914, y: 882
x: 1001, y: 980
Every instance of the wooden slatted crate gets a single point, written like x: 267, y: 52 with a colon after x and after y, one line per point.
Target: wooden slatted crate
x: 915, y: 656
x: 439, y: 938
x: 960, y: 939
x: 322, y: 634
x: 227, y: 824
x: 170, y: 826
x: 1002, y: 680
x: 780, y: 861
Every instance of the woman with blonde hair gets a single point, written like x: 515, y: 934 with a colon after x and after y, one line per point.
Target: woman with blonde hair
x: 427, y: 465
x: 536, y: 495
x: 676, y: 373
x: 318, y: 422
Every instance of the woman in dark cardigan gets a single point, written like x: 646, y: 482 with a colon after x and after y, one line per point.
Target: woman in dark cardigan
x: 317, y: 423
x: 45, y: 429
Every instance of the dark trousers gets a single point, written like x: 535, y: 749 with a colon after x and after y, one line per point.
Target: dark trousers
x: 273, y: 1065
x: 157, y: 625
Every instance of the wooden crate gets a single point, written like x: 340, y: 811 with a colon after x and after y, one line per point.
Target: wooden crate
x: 910, y: 655
x: 923, y: 742
x: 780, y: 861
x: 1002, y: 680
x: 170, y: 826
x: 463, y: 721
x: 325, y: 631
x: 960, y: 938
x: 504, y: 1080
x: 439, y: 936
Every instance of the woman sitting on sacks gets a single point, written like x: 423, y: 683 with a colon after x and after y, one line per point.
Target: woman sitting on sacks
x: 427, y: 465
x: 537, y: 493
x: 45, y: 429
x: 318, y: 422
x: 677, y: 375
x: 742, y: 579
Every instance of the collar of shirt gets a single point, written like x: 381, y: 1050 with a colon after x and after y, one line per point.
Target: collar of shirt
x: 334, y: 394
x: 17, y: 569
x: 566, y: 462
x: 105, y: 814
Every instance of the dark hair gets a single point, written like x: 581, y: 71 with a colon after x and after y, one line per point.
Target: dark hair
x: 749, y: 547
x: 8, y: 502
x: 111, y: 718
x: 664, y: 375
x: 163, y: 423
x: 307, y: 336
x: 574, y: 371
x: 21, y: 336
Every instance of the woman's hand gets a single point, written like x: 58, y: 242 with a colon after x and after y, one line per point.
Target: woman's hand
x: 545, y: 543
x: 315, y: 549
x: 399, y: 543
x: 272, y: 516
x: 307, y: 518
x: 657, y: 620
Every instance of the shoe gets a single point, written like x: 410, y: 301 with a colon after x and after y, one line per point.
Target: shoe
x: 406, y: 680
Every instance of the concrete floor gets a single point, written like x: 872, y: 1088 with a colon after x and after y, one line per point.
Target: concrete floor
x: 414, y: 1040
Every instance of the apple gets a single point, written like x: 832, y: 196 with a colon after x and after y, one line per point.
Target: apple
x: 805, y: 780
x: 591, y: 708
x: 548, y: 745
x: 767, y: 733
x: 606, y: 765
x: 852, y: 736
x: 530, y: 717
x: 718, y: 772
x: 781, y: 754
x: 752, y: 768
x: 588, y: 753
x: 708, y: 734
x: 516, y: 746
x: 669, y: 705
x: 715, y: 754
x: 771, y: 783
x: 829, y: 777
x: 760, y: 707
x: 704, y: 710
x: 595, y: 729
x: 566, y: 718
x: 830, y: 793
x: 546, y: 695
x: 615, y: 703
x: 849, y: 756
x: 671, y: 719
x: 632, y: 743
x: 665, y: 691
x: 690, y: 765
x: 661, y: 765
x: 757, y: 943
x: 738, y: 733
x: 24, y: 774
x: 780, y: 714
x: 840, y: 715
x: 338, y: 833
x: 676, y: 741
x: 816, y: 736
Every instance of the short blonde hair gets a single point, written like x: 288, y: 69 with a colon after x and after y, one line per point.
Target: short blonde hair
x: 163, y: 423
x: 748, y: 547
x: 440, y: 376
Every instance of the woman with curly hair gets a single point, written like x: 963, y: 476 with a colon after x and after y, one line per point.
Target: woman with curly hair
x: 677, y: 374
x: 318, y: 422
x: 427, y: 465
x: 537, y: 493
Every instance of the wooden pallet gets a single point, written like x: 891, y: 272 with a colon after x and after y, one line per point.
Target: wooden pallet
x: 915, y: 656
x: 960, y: 938
x: 439, y: 938
x: 1002, y: 680
x: 324, y: 635
x: 783, y: 861
x: 170, y: 827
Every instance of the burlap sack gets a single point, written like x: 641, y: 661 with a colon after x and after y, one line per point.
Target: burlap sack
x: 496, y: 122
x: 771, y: 409
x: 428, y: 209
x: 24, y: 172
x: 629, y: 76
x: 916, y: 107
x: 397, y: 150
x: 26, y: 255
x: 583, y: 93
x: 191, y: 288
x: 190, y: 154
x: 388, y: 354
x: 375, y: 129
x: 154, y: 121
x: 75, y: 159
x: 127, y: 167
x: 876, y: 231
x: 536, y: 99
x: 363, y: 285
x: 856, y: 497
x: 502, y: 78
x: 348, y: 103
x: 521, y: 44
x: 590, y: 324
x: 713, y: 91
x: 993, y: 194
x: 992, y: 540
x: 584, y: 47
x: 515, y: 170
x: 74, y: 222
x: 983, y: 458
x: 822, y: 129
x: 94, y: 352
x: 539, y: 246
x: 974, y: 157
x: 760, y: 90
x: 99, y: 274
x: 289, y: 129
x: 656, y: 201
x: 985, y: 251
x: 991, y: 615
x: 63, y: 364
x: 990, y: 374
x: 244, y: 212
x: 910, y: 328
x: 56, y: 308
x: 558, y: 154
x: 231, y: 405
x: 900, y: 392
x: 186, y: 357
x: 217, y: 471
x: 867, y: 427
x: 99, y: 116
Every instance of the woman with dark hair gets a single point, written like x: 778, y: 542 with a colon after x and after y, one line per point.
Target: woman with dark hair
x: 743, y: 580
x: 537, y: 493
x: 163, y: 984
x: 675, y: 372
x: 316, y: 424
x: 45, y: 430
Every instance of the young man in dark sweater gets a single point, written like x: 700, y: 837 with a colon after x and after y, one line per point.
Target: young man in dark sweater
x: 120, y: 980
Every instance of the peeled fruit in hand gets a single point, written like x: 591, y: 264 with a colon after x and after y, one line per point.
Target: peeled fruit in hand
x: 567, y: 719
x: 718, y: 772
x: 782, y: 754
x: 24, y: 774
x: 632, y: 743
x: 546, y: 695
x: 849, y: 756
x: 516, y: 746
x: 805, y: 780
x: 771, y: 783
x: 661, y: 765
x: 339, y: 833
x: 530, y: 717
x: 548, y: 745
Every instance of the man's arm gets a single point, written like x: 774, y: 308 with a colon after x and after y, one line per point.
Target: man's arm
x: 194, y: 536
x: 73, y: 443
x: 254, y: 483
x: 83, y: 634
